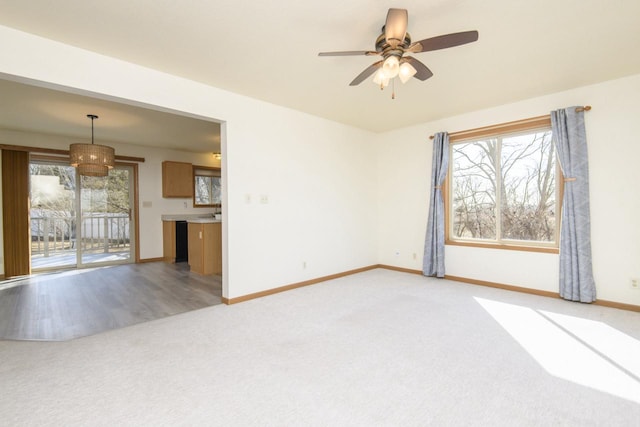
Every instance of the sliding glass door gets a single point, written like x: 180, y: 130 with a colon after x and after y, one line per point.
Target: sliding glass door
x: 105, y: 217
x: 79, y: 220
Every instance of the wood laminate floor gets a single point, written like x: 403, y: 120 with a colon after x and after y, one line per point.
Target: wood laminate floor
x: 76, y: 303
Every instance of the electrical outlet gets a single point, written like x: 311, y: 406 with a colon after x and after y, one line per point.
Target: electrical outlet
x: 304, y: 265
x: 415, y: 255
x: 635, y: 283
x: 397, y: 253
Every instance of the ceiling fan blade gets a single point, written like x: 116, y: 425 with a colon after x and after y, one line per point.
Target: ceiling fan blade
x: 366, y: 73
x: 395, y: 26
x: 350, y: 53
x: 422, y: 72
x: 443, y: 42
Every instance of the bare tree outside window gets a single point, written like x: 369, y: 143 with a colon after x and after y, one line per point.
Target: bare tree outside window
x: 208, y: 186
x: 504, y: 189
x: 207, y: 190
x: 474, y: 189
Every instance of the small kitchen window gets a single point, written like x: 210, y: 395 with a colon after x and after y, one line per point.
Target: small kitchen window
x: 207, y: 187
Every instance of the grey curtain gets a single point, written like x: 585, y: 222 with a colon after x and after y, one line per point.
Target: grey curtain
x: 576, y: 273
x: 433, y: 261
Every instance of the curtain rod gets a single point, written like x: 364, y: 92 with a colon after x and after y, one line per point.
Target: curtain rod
x: 578, y: 109
x: 585, y: 108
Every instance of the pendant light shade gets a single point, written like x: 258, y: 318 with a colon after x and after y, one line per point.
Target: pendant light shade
x: 92, y: 159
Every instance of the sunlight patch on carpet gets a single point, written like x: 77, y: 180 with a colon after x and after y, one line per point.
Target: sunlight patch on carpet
x: 583, y: 351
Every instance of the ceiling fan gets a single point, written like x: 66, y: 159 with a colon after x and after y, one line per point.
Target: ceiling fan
x: 394, y: 43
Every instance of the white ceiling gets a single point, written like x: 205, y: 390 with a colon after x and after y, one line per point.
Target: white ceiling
x: 268, y: 50
x: 30, y: 108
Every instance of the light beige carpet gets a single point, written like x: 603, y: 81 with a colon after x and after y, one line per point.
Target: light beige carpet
x: 379, y: 348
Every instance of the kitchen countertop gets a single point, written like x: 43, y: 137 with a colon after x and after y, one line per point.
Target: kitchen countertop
x: 189, y: 217
x: 203, y: 220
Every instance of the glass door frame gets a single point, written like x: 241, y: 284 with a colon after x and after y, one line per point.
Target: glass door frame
x: 133, y: 252
x: 80, y: 218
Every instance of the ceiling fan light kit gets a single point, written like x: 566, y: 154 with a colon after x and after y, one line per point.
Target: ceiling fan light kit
x: 381, y: 79
x: 394, y: 43
x: 92, y: 159
x: 406, y: 72
x: 383, y: 76
x: 391, y: 66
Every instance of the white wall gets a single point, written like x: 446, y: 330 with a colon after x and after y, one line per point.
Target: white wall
x: 404, y: 159
x: 318, y: 176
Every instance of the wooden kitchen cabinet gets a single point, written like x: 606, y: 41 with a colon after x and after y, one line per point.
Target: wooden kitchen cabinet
x: 205, y: 247
x: 177, y: 179
x: 169, y: 241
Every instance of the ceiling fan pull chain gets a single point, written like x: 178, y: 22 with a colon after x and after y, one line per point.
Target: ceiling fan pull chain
x: 393, y: 89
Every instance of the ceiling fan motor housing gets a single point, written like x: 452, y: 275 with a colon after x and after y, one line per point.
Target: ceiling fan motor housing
x: 387, y: 50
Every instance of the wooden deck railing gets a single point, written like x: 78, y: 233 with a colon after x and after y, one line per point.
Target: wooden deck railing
x: 98, y: 233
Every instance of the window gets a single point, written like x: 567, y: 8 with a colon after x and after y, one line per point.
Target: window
x: 502, y: 189
x: 207, y: 186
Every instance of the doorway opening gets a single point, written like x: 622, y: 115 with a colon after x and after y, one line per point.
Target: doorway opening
x: 79, y: 221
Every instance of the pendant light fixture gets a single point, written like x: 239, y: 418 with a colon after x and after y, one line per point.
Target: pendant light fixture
x: 92, y: 159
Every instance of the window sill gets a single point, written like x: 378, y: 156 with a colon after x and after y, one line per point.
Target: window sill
x: 546, y: 250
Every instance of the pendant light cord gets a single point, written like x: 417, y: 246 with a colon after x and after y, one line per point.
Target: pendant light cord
x: 92, y: 117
